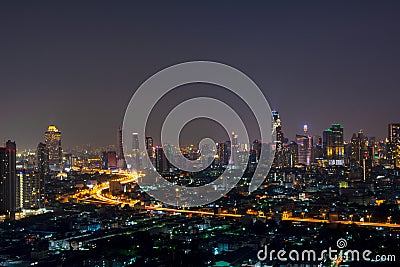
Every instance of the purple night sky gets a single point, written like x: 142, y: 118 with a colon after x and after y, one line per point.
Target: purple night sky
x: 76, y: 64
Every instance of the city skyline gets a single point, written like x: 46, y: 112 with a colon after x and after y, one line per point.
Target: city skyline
x: 300, y: 57
x: 212, y: 133
x: 347, y: 138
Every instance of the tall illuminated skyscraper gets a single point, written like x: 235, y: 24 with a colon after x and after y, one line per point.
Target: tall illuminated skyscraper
x: 30, y: 193
x: 333, y: 145
x: 278, y: 130
x: 53, y: 144
x: 393, y: 146
x: 8, y: 180
x: 280, y: 140
x: 121, y: 158
x: 358, y: 149
x: 234, y: 148
x: 304, y: 144
x: 42, y: 165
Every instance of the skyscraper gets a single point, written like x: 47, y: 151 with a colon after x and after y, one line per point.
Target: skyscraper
x: 121, y: 163
x: 150, y: 150
x: 304, y: 149
x: 317, y: 153
x: 8, y: 180
x: 42, y: 165
x: 53, y: 143
x: 234, y: 148
x: 333, y: 145
x: 280, y: 140
x: 394, y: 133
x: 256, y: 147
x: 111, y: 160
x: 393, y: 146
x: 30, y: 196
x: 162, y: 164
x: 104, y: 160
x: 222, y: 156
x: 278, y: 129
x: 290, y: 155
x: 136, y: 156
x: 359, y: 149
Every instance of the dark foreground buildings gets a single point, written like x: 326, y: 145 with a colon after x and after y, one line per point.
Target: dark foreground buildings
x: 8, y: 181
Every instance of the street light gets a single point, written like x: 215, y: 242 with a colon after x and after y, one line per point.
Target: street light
x: 389, y: 218
x: 323, y: 215
x: 351, y: 217
x: 369, y: 218
x: 302, y: 214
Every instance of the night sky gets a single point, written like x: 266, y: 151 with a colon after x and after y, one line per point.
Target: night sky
x: 76, y: 64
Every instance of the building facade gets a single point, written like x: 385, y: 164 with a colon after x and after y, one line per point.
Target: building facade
x: 53, y: 144
x: 8, y: 180
x: 333, y: 145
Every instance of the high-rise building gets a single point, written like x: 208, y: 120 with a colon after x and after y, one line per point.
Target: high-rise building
x: 8, y: 180
x: 104, y: 160
x: 394, y: 133
x: 304, y: 149
x: 393, y: 146
x: 317, y: 153
x: 256, y: 147
x: 42, y: 165
x: 333, y: 145
x: 280, y: 140
x: 53, y: 143
x: 359, y: 149
x: 30, y: 193
x: 150, y: 151
x: 136, y: 155
x: 290, y: 155
x: 161, y: 160
x: 278, y: 130
x: 222, y: 157
x: 111, y: 160
x: 121, y: 158
x: 234, y: 148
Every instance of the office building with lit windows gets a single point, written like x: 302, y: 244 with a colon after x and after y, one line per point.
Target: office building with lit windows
x: 393, y: 146
x: 53, y: 143
x: 333, y: 145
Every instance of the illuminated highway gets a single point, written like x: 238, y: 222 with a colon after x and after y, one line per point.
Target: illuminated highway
x: 97, y: 196
x: 373, y: 224
x: 192, y: 212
